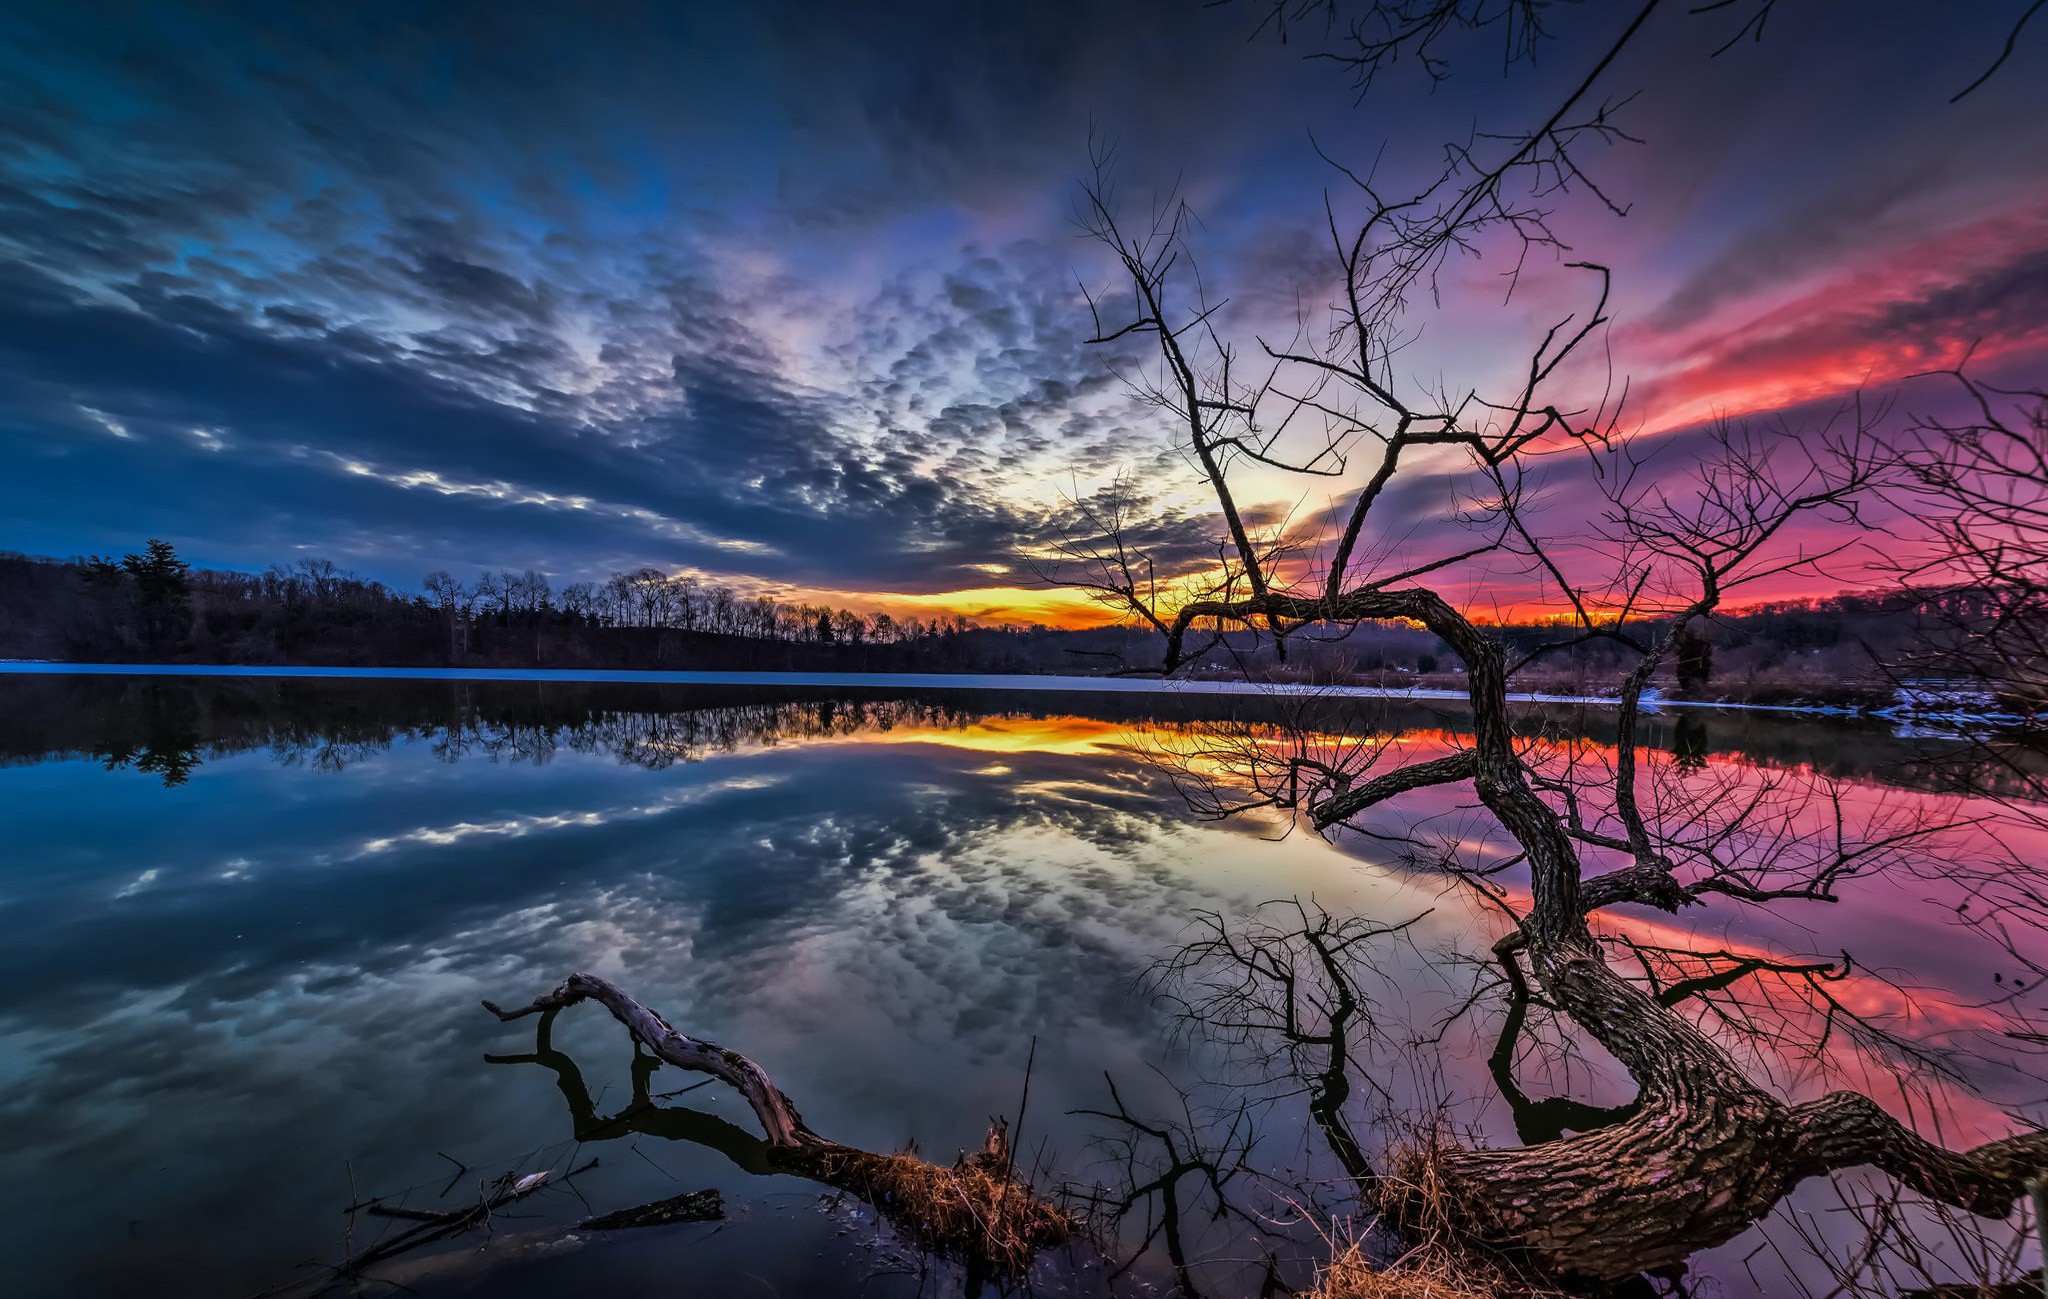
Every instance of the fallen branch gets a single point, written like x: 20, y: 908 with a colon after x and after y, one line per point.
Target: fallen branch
x: 431, y: 1226
x: 784, y: 1127
x: 976, y: 1211
x: 690, y: 1206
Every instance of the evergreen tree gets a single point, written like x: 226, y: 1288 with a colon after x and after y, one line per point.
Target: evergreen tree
x: 161, y: 590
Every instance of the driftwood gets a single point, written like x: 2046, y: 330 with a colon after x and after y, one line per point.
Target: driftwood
x: 439, y: 1225
x: 430, y: 1227
x: 977, y: 1211
x: 690, y: 1206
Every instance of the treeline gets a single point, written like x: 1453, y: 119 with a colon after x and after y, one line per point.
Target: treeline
x: 1830, y: 649
x: 1844, y: 649
x: 151, y: 606
x: 650, y: 599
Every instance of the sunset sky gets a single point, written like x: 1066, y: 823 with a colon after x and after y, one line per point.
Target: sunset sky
x: 788, y: 295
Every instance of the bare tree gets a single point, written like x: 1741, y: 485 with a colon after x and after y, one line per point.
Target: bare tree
x: 1708, y: 1146
x: 1979, y: 489
x: 453, y: 601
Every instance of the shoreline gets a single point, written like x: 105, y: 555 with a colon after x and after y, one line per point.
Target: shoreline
x: 1048, y: 683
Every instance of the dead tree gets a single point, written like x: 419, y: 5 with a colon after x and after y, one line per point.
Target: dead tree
x: 1706, y: 1149
x: 1978, y: 488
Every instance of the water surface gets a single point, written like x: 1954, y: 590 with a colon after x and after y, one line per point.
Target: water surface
x: 245, y: 925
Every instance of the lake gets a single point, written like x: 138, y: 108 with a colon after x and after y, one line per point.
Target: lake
x: 246, y: 924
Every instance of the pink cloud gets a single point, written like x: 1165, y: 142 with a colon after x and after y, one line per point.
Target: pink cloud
x: 1892, y: 312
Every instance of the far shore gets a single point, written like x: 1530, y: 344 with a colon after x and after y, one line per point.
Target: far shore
x: 1049, y: 683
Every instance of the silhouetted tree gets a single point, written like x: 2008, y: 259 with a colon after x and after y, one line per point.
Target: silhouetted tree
x: 161, y: 589
x: 1695, y: 662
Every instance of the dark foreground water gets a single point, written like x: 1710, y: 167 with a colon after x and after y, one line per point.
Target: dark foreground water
x: 245, y: 926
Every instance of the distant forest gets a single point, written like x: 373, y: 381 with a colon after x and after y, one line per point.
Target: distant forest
x: 151, y: 606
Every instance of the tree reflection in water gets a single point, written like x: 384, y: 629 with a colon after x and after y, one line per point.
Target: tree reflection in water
x: 1305, y: 1003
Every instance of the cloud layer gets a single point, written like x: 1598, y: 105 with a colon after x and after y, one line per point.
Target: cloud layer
x: 792, y: 295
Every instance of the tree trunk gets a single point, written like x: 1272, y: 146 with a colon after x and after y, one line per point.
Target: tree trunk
x: 1706, y: 1152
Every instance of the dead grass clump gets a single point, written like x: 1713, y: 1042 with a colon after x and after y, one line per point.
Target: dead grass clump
x: 1420, y: 1274
x: 1416, y: 1203
x: 1414, y: 1197
x: 975, y: 1211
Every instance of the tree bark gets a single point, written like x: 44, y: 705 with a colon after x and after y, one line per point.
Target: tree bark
x: 1706, y: 1154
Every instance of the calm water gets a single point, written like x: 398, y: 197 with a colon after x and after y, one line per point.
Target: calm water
x: 245, y: 925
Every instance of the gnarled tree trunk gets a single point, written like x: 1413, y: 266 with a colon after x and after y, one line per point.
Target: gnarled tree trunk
x: 1707, y: 1152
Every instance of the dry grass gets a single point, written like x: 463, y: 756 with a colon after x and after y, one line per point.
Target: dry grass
x: 975, y: 1211
x: 1421, y: 1274
x: 1441, y: 1262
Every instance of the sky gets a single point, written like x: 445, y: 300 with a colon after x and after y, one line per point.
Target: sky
x: 791, y: 295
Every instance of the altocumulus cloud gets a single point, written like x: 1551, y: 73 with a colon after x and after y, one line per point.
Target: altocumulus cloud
x: 345, y: 284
